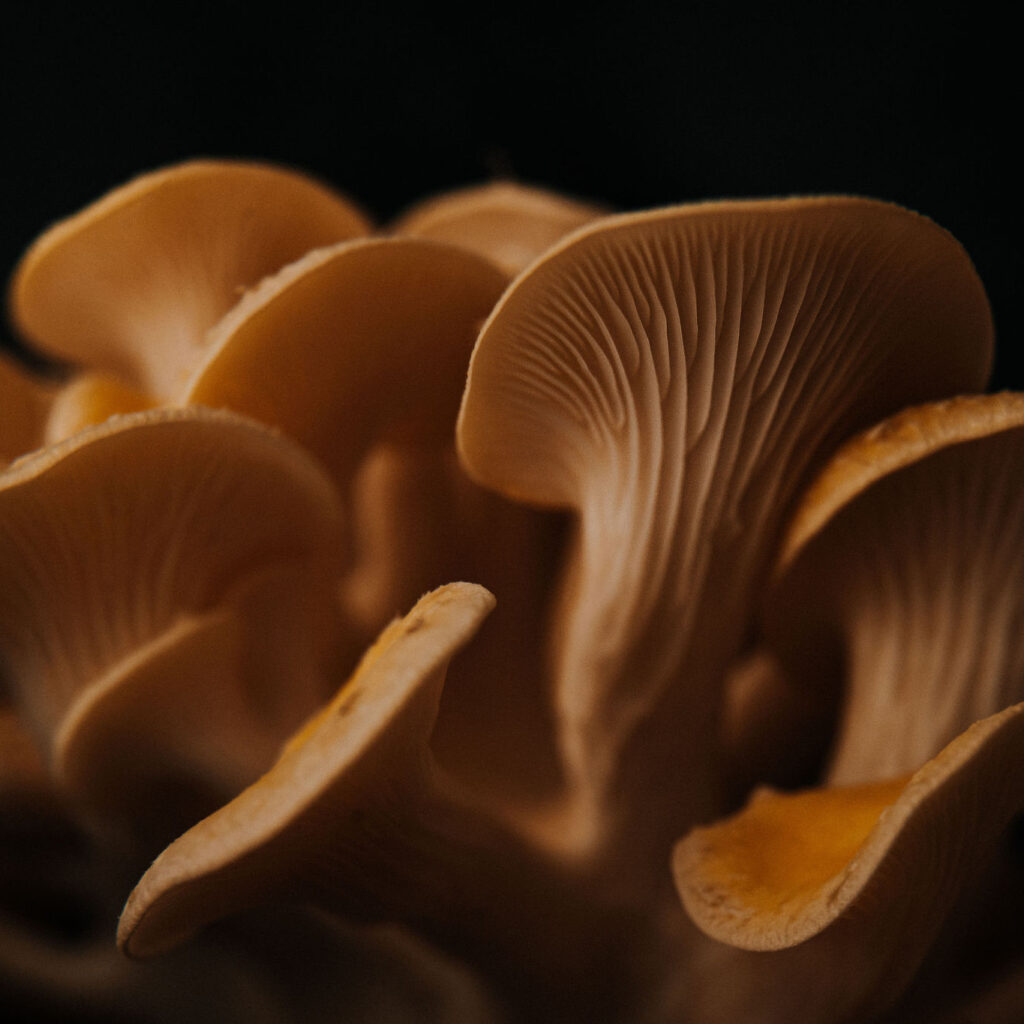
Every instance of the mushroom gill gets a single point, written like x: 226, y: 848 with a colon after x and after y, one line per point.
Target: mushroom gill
x: 674, y: 378
x: 899, y: 586
x: 151, y: 626
x: 900, y: 578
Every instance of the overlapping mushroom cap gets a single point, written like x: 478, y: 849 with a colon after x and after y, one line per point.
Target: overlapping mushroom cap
x: 147, y: 616
x: 182, y: 587
x: 674, y: 377
x: 900, y: 572
x: 132, y: 284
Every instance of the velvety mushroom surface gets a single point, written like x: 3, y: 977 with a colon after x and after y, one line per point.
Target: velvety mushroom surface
x: 674, y: 377
x: 148, y: 614
x: 724, y: 724
x: 131, y: 284
x: 510, y: 224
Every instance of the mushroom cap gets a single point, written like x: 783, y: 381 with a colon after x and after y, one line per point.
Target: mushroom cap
x: 356, y: 343
x: 131, y: 284
x: 368, y: 744
x: 675, y: 377
x: 128, y: 537
x: 856, y: 880
x: 899, y: 582
x: 509, y: 223
x: 901, y: 440
x: 562, y: 348
x: 848, y: 887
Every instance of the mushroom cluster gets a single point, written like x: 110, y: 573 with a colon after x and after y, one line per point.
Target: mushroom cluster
x: 742, y: 738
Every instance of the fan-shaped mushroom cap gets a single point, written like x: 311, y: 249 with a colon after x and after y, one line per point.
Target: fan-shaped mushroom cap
x: 354, y: 344
x: 133, y: 562
x: 901, y: 576
x: 675, y: 377
x: 357, y: 818
x: 335, y: 785
x: 360, y: 352
x: 510, y: 224
x: 859, y: 878
x: 24, y: 406
x: 131, y: 284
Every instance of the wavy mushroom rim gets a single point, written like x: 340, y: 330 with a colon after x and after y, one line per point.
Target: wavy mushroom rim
x: 789, y: 866
x: 121, y: 599
x: 247, y: 219
x: 714, y: 342
x: 920, y: 520
x: 390, y: 691
x: 907, y: 437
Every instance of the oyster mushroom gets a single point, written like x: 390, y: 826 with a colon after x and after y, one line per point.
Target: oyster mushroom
x: 150, y: 625
x: 900, y: 577
x: 901, y: 570
x: 674, y: 378
x: 849, y: 885
x: 131, y: 284
x: 510, y: 224
x: 356, y: 817
x: 359, y: 351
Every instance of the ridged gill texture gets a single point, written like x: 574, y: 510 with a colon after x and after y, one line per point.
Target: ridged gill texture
x: 674, y: 377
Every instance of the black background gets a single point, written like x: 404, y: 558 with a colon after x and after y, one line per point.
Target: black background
x: 656, y: 104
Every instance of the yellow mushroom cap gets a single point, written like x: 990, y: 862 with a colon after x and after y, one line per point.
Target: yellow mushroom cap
x: 853, y: 883
x: 315, y: 808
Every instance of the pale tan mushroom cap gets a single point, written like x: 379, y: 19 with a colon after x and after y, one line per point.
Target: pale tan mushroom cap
x: 676, y: 377
x: 900, y: 581
x: 357, y: 343
x: 508, y: 223
x: 370, y: 739
x: 899, y: 441
x: 132, y: 283
x: 883, y: 860
x: 155, y: 527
